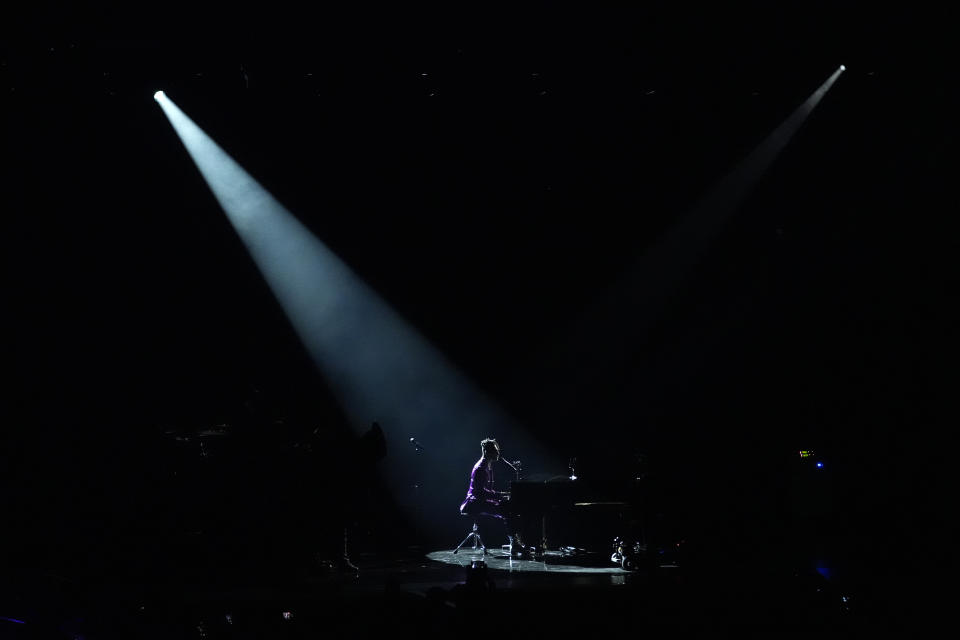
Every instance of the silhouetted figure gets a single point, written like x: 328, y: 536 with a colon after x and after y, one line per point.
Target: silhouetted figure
x: 484, y: 502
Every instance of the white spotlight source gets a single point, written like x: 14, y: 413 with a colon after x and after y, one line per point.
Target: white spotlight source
x: 158, y: 96
x: 843, y: 68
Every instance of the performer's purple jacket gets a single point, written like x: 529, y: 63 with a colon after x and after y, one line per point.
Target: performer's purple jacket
x: 481, y: 497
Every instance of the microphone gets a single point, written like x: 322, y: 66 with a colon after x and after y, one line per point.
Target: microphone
x: 504, y: 460
x: 416, y: 445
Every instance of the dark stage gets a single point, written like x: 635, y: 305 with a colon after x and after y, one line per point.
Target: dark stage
x: 270, y: 278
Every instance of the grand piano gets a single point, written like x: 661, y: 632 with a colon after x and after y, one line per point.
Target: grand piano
x: 570, y: 512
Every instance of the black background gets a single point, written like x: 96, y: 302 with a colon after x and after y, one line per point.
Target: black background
x: 489, y: 170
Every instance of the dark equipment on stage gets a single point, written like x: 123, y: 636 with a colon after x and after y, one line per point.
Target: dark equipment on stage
x: 630, y: 555
x: 478, y: 578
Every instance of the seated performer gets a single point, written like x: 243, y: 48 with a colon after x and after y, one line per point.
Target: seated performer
x: 484, y: 502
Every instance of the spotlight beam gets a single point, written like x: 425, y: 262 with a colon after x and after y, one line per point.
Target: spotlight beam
x: 602, y: 341
x: 380, y: 368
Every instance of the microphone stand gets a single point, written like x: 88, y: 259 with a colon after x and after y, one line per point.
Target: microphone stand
x: 516, y: 466
x: 515, y: 469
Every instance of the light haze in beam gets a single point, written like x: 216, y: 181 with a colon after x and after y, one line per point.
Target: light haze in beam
x: 604, y: 338
x: 380, y: 367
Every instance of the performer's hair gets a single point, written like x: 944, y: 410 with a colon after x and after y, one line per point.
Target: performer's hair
x: 489, y: 444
